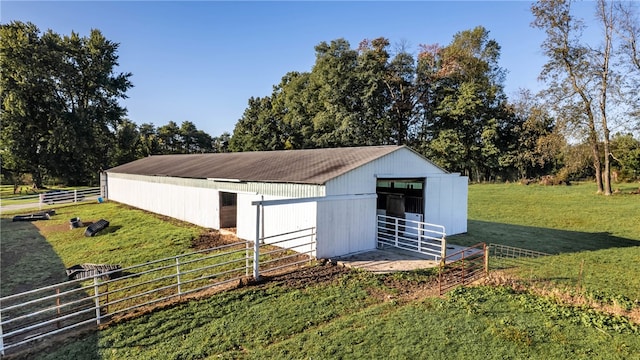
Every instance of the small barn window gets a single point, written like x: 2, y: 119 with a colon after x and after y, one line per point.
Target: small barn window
x: 228, y: 199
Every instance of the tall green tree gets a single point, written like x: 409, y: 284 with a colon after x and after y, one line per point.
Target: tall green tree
x: 149, y: 143
x: 627, y: 159
x: 60, y: 107
x: 373, y: 124
x: 533, y: 143
x: 585, y: 76
x: 194, y: 140
x: 259, y: 129
x: 221, y: 143
x: 27, y: 99
x: 333, y: 79
x: 127, y: 145
x: 170, y: 139
x: 465, y: 106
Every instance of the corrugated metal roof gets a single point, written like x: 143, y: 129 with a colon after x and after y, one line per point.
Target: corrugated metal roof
x: 313, y: 166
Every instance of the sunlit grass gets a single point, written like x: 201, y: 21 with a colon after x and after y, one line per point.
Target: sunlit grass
x: 37, y: 253
x: 357, y: 316
x: 595, y: 233
x: 343, y: 320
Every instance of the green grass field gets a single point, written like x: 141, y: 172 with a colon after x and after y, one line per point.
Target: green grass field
x: 596, y: 233
x: 33, y: 251
x: 356, y: 315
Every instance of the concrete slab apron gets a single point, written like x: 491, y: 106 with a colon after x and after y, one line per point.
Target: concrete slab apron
x: 392, y: 260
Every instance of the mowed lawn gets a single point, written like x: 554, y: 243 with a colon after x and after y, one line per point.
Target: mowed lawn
x: 356, y: 315
x: 37, y: 253
x: 598, y: 234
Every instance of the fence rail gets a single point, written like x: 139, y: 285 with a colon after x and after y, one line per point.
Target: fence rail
x: 55, y: 309
x: 416, y: 236
x: 463, y: 267
x: 54, y: 197
x: 499, y: 250
x: 503, y: 256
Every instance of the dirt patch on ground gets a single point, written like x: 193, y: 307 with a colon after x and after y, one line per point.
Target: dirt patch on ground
x: 407, y: 290
x: 391, y: 287
x: 211, y: 239
x: 302, y: 277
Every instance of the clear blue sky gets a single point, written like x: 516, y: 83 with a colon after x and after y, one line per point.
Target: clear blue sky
x: 201, y: 61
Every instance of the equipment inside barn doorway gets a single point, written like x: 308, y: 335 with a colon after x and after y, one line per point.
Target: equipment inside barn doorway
x: 395, y: 205
x: 228, y: 209
x: 401, y: 198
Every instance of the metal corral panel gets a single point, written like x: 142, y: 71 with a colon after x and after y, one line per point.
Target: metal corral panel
x: 345, y: 227
x: 278, y: 219
x: 402, y: 163
x: 446, y: 202
x: 192, y: 204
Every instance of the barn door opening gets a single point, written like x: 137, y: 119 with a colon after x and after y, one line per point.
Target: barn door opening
x: 401, y: 198
x: 401, y: 202
x: 228, y: 209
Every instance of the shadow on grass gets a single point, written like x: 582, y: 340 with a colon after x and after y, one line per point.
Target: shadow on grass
x: 551, y: 241
x: 27, y: 262
x: 108, y: 230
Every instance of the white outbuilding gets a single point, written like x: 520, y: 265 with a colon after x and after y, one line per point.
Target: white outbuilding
x: 339, y: 192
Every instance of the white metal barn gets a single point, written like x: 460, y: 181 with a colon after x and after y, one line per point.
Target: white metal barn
x: 217, y: 191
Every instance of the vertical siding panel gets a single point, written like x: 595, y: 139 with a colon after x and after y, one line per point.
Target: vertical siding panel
x: 179, y: 202
x: 345, y: 227
x: 460, y: 200
x: 278, y: 219
x: 432, y: 200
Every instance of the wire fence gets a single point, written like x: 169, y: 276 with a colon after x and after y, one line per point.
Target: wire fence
x: 103, y: 297
x: 504, y: 256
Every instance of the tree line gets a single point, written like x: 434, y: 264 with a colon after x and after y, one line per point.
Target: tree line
x: 61, y: 117
x: 592, y: 88
x: 134, y: 141
x: 447, y: 102
x: 59, y: 103
x: 60, y: 113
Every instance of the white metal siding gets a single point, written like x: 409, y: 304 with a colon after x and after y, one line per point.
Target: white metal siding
x: 446, y: 202
x: 445, y: 194
x: 278, y: 219
x: 195, y: 205
x: 398, y: 164
x: 345, y: 227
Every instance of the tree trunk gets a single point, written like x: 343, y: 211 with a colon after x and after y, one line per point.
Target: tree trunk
x: 597, y: 165
x: 605, y: 12
x: 607, y: 164
x: 36, y: 175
